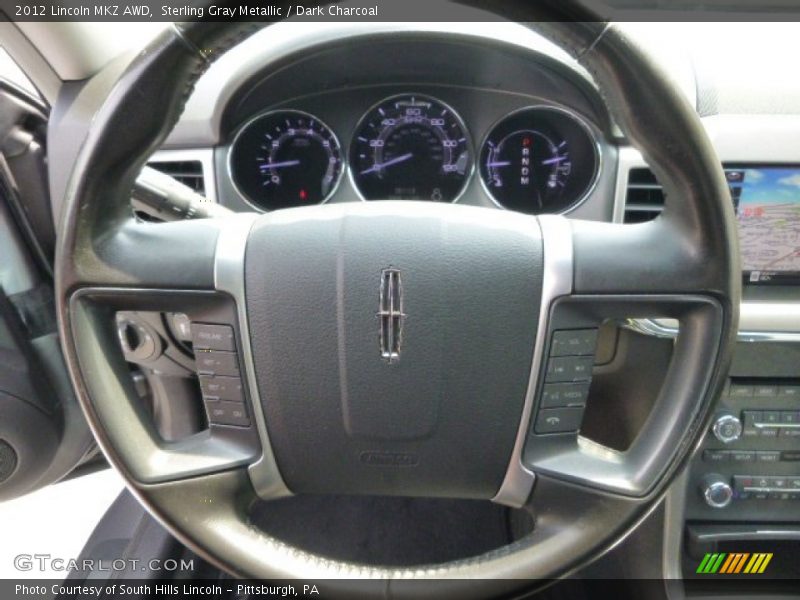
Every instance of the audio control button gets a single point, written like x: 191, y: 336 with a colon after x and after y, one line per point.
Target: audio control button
x: 716, y: 491
x: 569, y: 369
x: 791, y: 392
x: 727, y: 428
x: 768, y: 457
x: 574, y: 342
x: 716, y: 456
x: 743, y: 456
x: 556, y: 395
x: 738, y: 390
x: 750, y: 429
x: 765, y: 391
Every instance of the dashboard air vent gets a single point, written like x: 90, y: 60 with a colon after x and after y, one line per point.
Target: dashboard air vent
x: 188, y: 172
x: 644, y: 199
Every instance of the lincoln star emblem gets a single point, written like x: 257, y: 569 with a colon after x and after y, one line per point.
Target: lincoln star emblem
x: 391, y: 315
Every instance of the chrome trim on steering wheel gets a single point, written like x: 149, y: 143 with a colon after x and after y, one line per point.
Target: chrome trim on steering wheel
x: 556, y: 282
x: 229, y: 278
x: 758, y: 322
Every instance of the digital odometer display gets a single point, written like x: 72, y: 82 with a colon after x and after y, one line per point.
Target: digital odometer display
x: 767, y: 201
x: 411, y: 147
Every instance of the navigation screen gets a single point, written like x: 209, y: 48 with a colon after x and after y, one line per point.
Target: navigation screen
x: 767, y: 201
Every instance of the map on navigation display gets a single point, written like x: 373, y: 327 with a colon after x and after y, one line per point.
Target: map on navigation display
x: 767, y: 202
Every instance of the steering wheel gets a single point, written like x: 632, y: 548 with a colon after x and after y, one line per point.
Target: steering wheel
x: 398, y: 348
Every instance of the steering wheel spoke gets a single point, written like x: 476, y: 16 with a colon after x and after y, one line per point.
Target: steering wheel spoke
x: 128, y: 253
x: 118, y: 412
x: 679, y: 408
x: 166, y: 268
x: 656, y: 257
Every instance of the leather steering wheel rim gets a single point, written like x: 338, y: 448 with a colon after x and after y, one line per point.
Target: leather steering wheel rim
x: 209, y: 512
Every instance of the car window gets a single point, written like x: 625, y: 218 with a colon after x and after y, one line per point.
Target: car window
x: 10, y: 72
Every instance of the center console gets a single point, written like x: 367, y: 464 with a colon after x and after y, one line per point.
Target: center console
x: 741, y: 491
x: 744, y: 481
x: 748, y: 467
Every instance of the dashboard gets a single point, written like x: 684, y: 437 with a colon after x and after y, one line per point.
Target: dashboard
x: 450, y: 122
x: 539, y: 159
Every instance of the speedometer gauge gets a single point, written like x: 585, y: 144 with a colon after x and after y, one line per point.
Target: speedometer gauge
x: 539, y: 160
x: 411, y: 147
x: 286, y: 158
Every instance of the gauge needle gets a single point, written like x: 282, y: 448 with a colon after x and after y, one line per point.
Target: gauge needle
x: 388, y: 163
x: 502, y: 163
x: 552, y: 161
x: 278, y: 165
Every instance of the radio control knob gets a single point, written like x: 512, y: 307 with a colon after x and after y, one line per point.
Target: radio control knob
x: 716, y: 490
x: 727, y: 428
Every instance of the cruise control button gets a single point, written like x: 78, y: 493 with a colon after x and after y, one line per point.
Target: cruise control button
x: 206, y: 336
x: 222, y: 388
x: 217, y: 363
x: 214, y: 410
x: 574, y: 342
x: 569, y: 369
x: 564, y: 394
x: 559, y: 420
x: 227, y: 413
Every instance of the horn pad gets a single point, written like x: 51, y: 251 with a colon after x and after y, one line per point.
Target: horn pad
x: 393, y: 343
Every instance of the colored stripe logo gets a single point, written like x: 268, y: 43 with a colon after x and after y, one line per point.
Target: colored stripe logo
x: 734, y: 563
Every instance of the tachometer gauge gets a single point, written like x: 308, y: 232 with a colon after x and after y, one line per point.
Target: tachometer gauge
x: 411, y: 147
x: 286, y: 158
x: 539, y: 160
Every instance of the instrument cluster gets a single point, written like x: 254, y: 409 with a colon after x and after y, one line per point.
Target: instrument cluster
x: 535, y: 160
